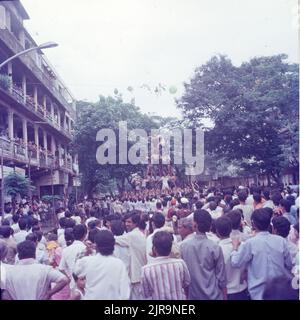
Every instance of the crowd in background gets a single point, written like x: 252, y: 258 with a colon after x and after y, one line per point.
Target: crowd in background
x: 234, y: 243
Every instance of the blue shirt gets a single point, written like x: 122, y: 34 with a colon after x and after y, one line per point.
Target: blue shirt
x: 266, y: 257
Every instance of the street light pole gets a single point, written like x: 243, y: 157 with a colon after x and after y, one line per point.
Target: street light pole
x: 42, y: 46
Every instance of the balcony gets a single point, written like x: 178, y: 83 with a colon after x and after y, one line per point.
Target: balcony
x: 15, y: 46
x: 28, y: 102
x: 16, y: 151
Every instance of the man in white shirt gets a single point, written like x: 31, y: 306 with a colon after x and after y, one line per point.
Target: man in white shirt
x: 247, y: 209
x: 29, y: 280
x: 117, y: 228
x: 106, y: 276
x: 15, y: 225
x: 136, y: 242
x: 21, y: 235
x: 236, y: 283
x: 70, y: 254
x: 281, y: 227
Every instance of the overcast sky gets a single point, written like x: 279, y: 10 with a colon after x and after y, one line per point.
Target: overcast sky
x: 107, y: 44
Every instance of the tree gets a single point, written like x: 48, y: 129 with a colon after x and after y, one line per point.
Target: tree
x: 91, y: 117
x: 250, y: 107
x: 15, y: 184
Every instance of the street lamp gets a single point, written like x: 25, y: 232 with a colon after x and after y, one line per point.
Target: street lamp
x: 45, y: 45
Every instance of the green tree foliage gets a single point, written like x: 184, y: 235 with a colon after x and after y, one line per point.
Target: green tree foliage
x: 254, y: 110
x: 91, y: 117
x: 15, y: 184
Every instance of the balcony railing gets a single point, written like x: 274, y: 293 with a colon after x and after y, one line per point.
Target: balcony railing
x: 18, y: 94
x: 10, y: 40
x: 17, y: 150
x: 5, y: 144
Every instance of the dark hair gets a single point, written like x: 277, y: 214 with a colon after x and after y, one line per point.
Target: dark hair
x: 199, y: 205
x: 69, y: 223
x: 266, y: 194
x: 270, y: 211
x: 276, y: 197
x: 26, y: 250
x: 35, y: 228
x: 79, y: 231
x: 281, y: 225
x: 286, y: 204
x: 158, y: 205
x: 255, y: 189
x: 291, y: 199
x: 213, y: 205
x: 280, y: 288
x: 234, y: 203
x: 15, y: 218
x: 39, y: 235
x: 165, y: 202
x: 242, y: 195
x: 235, y: 218
x: 117, y: 227
x: 203, y: 220
x: 257, y: 197
x: 105, y: 242
x: 92, y: 224
x: 5, y: 222
x: 69, y: 236
x: 136, y: 218
x: 5, y: 231
x: 62, y: 222
x: 143, y: 222
x: 223, y: 226
x: 32, y: 237
x: 22, y: 223
x: 33, y: 222
x: 261, y: 219
x: 92, y: 234
x: 158, y: 220
x: 162, y: 242
x: 228, y: 198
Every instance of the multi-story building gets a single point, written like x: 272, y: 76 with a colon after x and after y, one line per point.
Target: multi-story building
x: 37, y: 111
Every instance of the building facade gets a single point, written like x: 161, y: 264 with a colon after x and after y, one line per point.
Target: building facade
x: 37, y: 111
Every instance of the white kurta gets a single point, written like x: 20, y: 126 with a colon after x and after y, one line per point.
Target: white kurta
x: 106, y: 278
x: 136, y: 242
x: 29, y: 280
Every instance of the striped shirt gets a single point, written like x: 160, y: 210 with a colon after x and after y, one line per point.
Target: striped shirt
x: 165, y: 279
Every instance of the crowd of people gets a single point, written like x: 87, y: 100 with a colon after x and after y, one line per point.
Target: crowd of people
x: 237, y: 243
